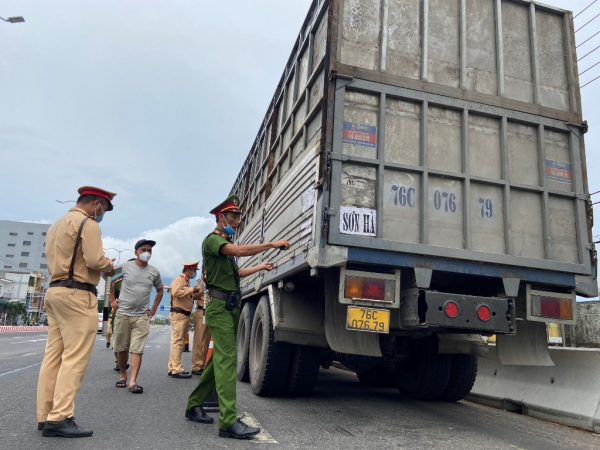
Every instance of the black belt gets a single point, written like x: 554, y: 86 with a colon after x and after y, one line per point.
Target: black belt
x: 181, y: 311
x: 221, y: 295
x: 75, y: 285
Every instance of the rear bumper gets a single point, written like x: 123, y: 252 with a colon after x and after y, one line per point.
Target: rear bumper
x: 426, y: 309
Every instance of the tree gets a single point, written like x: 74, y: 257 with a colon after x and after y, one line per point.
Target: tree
x: 14, y: 310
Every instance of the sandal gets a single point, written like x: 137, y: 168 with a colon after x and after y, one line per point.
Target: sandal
x: 136, y: 389
x: 121, y: 383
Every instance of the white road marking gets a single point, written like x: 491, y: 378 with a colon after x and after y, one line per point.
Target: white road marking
x: 29, y: 354
x: 19, y: 370
x: 261, y: 438
x: 29, y: 340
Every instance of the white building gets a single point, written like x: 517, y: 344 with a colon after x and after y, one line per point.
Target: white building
x: 23, y: 247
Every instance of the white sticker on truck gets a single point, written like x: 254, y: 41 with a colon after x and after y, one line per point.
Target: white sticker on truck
x: 308, y: 199
x: 358, y: 221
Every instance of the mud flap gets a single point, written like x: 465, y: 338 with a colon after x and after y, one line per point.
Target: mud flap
x: 338, y: 337
x: 529, y: 347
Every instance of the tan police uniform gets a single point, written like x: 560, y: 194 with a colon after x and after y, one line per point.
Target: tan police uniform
x: 181, y: 308
x: 201, y: 334
x: 72, y: 312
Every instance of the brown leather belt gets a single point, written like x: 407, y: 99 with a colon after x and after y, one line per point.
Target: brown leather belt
x: 181, y: 311
x: 75, y: 285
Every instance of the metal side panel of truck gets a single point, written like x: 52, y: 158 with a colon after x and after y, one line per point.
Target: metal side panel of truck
x: 425, y: 158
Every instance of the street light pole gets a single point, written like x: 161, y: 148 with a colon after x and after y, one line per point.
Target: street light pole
x: 107, y: 291
x: 16, y: 19
x: 119, y: 252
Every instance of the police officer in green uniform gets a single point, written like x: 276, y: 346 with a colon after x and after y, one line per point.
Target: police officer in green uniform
x: 222, y: 315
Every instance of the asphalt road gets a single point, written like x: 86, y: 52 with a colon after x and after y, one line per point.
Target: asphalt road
x: 342, y: 414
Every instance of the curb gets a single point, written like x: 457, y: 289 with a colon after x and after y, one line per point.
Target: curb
x: 9, y: 329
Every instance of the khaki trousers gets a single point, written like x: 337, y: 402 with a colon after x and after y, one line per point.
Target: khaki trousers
x: 72, y: 328
x: 201, y: 341
x: 180, y: 325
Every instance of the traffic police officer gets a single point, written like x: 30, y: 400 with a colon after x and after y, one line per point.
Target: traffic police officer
x: 75, y: 260
x: 222, y: 316
x: 182, y: 302
x: 201, y: 334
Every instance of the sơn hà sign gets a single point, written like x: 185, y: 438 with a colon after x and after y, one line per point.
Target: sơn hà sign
x: 358, y: 221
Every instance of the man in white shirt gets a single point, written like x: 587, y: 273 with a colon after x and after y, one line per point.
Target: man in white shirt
x: 132, y: 312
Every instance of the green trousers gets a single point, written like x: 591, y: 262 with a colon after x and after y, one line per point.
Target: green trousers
x: 221, y: 369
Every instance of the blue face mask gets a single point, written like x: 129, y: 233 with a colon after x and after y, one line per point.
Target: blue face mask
x: 99, y: 217
x: 227, y: 229
x: 192, y: 276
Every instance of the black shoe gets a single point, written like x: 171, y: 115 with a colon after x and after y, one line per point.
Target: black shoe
x: 41, y: 425
x: 181, y: 375
x: 108, y: 345
x: 239, y: 430
x: 197, y: 414
x: 67, y: 428
x: 170, y: 374
x: 116, y: 369
x: 197, y: 372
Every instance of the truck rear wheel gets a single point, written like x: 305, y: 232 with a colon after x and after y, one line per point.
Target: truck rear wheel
x: 377, y: 376
x: 269, y: 361
x: 304, y: 370
x: 462, y: 378
x: 243, y: 341
x: 425, y: 374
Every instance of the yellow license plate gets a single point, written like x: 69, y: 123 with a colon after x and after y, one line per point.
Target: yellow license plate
x: 368, y: 319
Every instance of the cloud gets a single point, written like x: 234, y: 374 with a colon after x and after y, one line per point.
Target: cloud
x: 176, y: 243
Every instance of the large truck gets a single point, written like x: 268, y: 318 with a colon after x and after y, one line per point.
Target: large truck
x: 426, y: 160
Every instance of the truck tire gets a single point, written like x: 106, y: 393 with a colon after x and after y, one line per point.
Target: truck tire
x: 425, y: 374
x: 377, y: 376
x: 304, y: 370
x: 462, y: 378
x: 269, y: 361
x: 243, y: 341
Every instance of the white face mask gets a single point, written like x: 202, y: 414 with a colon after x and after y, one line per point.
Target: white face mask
x: 145, y: 257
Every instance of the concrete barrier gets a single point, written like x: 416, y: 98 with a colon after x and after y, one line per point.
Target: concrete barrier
x: 7, y: 329
x: 568, y: 393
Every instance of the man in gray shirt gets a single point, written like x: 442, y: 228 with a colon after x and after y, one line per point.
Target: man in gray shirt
x: 132, y: 312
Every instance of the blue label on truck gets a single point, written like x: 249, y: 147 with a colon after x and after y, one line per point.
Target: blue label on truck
x: 359, y: 134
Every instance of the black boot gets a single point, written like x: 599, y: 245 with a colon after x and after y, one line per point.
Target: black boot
x: 239, y: 430
x: 181, y: 375
x: 66, y: 428
x: 197, y: 372
x: 41, y: 425
x: 197, y: 414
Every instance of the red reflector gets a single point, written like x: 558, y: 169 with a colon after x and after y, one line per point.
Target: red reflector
x: 484, y: 313
x: 373, y: 289
x: 451, y: 309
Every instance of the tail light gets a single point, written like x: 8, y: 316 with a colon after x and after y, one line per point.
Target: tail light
x: 552, y: 307
x: 366, y: 288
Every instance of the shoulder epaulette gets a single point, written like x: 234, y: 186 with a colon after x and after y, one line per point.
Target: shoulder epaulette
x: 220, y: 233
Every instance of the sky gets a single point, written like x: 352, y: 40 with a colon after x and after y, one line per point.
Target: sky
x: 160, y: 104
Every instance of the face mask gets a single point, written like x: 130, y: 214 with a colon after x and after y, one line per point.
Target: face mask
x: 227, y: 229
x: 192, y: 276
x: 98, y: 217
x: 145, y: 257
